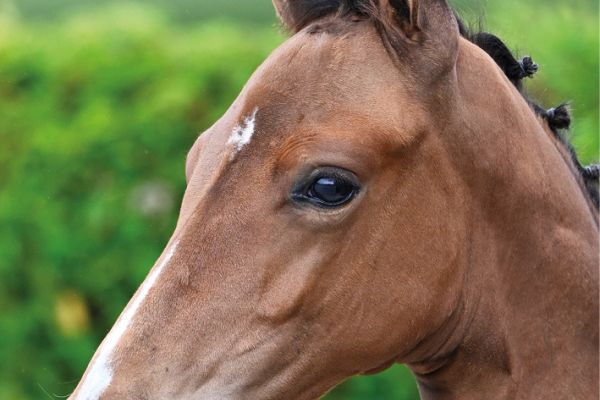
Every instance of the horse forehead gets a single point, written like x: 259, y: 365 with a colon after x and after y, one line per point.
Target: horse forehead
x: 332, y: 67
x: 314, y: 85
x: 315, y: 80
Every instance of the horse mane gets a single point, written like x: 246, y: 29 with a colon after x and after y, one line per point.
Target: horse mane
x: 558, y: 118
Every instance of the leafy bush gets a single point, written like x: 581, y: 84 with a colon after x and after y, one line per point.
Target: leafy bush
x: 96, y: 116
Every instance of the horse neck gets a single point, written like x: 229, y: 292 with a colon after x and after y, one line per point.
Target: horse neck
x: 531, y: 308
x: 527, y: 323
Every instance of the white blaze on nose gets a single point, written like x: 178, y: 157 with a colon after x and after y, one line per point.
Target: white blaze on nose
x: 242, y: 134
x: 100, y: 373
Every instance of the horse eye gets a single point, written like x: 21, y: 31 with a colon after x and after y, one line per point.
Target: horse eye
x: 333, y: 191
x: 329, y: 188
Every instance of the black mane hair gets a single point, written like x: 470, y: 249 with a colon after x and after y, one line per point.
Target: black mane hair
x: 304, y: 12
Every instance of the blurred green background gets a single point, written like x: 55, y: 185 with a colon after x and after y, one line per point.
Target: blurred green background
x: 99, y: 103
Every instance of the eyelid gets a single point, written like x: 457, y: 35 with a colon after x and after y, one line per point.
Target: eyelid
x: 325, y: 171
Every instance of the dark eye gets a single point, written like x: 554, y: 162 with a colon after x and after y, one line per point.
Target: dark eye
x: 329, y: 187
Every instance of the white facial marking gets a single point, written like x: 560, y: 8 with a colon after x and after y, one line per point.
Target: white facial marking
x: 242, y: 134
x: 101, y: 373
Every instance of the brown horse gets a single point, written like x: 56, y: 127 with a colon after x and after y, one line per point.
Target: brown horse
x: 380, y: 192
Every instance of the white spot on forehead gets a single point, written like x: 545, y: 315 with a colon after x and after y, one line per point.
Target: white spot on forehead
x: 242, y: 134
x: 101, y: 373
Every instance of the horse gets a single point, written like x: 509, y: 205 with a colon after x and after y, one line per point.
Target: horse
x: 380, y: 192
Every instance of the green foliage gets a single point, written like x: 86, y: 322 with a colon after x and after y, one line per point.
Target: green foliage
x: 97, y: 113
x: 248, y: 12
